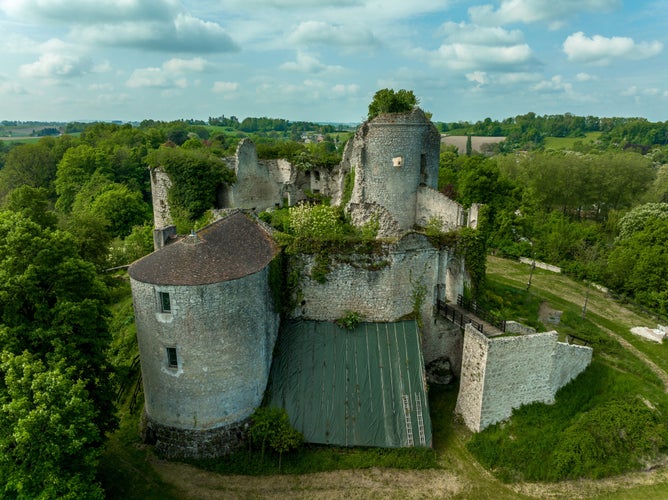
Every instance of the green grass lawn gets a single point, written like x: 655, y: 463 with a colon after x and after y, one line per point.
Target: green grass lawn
x: 568, y: 142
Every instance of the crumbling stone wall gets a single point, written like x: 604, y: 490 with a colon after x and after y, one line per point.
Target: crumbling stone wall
x: 433, y: 205
x: 500, y: 374
x: 160, y: 184
x: 392, y: 155
x: 380, y: 287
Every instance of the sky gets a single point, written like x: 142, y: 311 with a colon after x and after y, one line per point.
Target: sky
x: 323, y: 60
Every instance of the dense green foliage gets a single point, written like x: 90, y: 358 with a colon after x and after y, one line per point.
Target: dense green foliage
x: 56, y: 393
x: 568, y: 208
x: 196, y: 175
x: 389, y: 101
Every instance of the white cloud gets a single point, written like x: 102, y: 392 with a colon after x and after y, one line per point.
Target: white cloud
x: 85, y: 11
x: 57, y: 66
x: 148, y: 77
x: 159, y: 25
x: 557, y: 85
x: 225, y: 87
x: 169, y: 75
x: 184, y: 33
x: 483, y: 78
x: 585, y: 77
x: 306, y: 63
x: 341, y: 89
x: 531, y: 11
x: 473, y: 48
x: 602, y: 51
x: 309, y: 32
x: 177, y: 65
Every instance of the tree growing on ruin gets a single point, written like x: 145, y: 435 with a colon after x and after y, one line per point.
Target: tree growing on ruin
x: 389, y: 101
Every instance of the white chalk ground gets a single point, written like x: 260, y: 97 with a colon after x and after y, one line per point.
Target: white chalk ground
x: 656, y: 335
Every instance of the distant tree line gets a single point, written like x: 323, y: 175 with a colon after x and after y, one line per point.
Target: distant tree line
x: 529, y: 131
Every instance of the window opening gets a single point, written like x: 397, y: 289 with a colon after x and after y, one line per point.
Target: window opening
x: 172, y: 359
x: 165, y: 303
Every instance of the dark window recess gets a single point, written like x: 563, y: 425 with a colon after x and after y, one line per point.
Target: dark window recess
x: 316, y: 175
x: 165, y: 303
x: 172, y: 360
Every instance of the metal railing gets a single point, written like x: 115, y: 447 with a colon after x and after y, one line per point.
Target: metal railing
x: 483, y: 314
x: 456, y: 316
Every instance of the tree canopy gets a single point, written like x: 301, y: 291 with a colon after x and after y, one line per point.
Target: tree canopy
x: 389, y: 101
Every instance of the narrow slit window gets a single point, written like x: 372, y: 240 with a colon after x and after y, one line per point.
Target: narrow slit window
x: 165, y: 302
x: 172, y: 359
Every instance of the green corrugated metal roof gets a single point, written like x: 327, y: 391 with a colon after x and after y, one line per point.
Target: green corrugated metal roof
x: 352, y: 387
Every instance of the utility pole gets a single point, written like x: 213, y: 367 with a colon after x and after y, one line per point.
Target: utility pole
x: 533, y: 265
x: 584, y: 307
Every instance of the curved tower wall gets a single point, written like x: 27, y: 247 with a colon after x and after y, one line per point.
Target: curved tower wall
x: 399, y: 152
x: 223, y: 335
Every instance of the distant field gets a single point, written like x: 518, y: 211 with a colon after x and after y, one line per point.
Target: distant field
x: 568, y: 142
x: 477, y: 141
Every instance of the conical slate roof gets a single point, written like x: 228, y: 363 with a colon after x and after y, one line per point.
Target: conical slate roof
x: 227, y: 249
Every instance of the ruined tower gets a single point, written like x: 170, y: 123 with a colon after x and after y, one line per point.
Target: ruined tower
x: 206, y: 329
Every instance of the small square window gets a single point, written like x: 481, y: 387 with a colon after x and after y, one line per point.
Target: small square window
x: 165, y: 303
x: 172, y: 359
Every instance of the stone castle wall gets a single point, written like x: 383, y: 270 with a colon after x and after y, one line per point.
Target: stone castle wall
x: 379, y: 288
x: 175, y: 443
x: 392, y: 155
x: 160, y: 184
x: 224, y: 336
x: 500, y: 374
x: 433, y: 205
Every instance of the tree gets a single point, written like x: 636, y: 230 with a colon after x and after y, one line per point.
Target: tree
x: 389, y: 101
x: 49, y: 444
x: 637, y: 265
x: 32, y: 203
x: 57, y: 389
x: 75, y: 169
x: 196, y: 176
x: 31, y: 165
x: 271, y: 426
x: 121, y: 207
x: 53, y: 304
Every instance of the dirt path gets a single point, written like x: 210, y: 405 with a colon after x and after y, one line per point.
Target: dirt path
x: 650, y: 364
x: 467, y: 481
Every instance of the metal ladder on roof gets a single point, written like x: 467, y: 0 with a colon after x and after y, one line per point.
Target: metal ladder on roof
x: 407, y: 416
x: 420, y: 420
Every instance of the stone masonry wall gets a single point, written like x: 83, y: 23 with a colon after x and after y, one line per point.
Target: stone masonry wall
x: 379, y: 289
x: 392, y: 155
x: 472, y: 378
x: 175, y: 443
x: 569, y: 361
x: 432, y: 204
x: 160, y: 184
x: 500, y: 374
x: 224, y: 336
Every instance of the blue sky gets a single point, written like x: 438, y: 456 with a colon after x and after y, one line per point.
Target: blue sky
x: 322, y: 60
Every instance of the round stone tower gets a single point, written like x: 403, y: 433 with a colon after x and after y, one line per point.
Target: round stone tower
x: 206, y: 329
x: 392, y: 156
